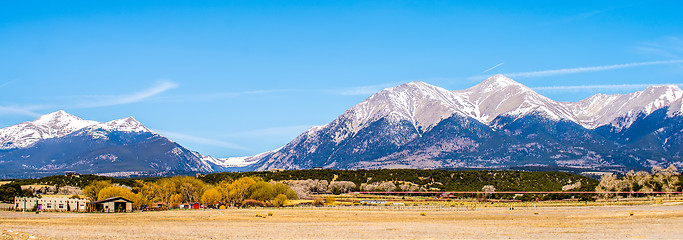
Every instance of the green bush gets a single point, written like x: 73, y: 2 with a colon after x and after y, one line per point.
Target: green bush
x: 10, y: 190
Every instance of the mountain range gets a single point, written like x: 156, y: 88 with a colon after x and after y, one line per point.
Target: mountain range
x: 498, y: 123
x: 59, y: 142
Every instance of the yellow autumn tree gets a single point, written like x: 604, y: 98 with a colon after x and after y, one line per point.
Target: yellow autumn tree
x: 280, y: 200
x: 240, y: 190
x: 212, y: 196
x: 92, y: 191
x: 175, y: 200
x: 146, y: 192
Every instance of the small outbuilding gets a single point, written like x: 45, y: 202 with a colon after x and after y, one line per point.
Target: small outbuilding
x: 156, y: 206
x: 195, y: 205
x: 113, y: 204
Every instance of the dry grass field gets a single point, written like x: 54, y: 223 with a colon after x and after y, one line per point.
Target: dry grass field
x: 592, y: 222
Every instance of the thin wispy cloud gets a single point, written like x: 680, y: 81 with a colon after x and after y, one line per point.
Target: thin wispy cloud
x: 105, y: 101
x: 565, y: 71
x: 174, y: 136
x: 6, y: 83
x: 669, y: 47
x: 494, y: 67
x: 585, y: 15
x: 578, y: 17
x: 345, y: 91
x: 87, y: 101
x: 286, y: 131
x: 589, y: 69
x: 17, y: 111
x: 603, y: 87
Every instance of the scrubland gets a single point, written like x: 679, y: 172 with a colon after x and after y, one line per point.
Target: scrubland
x: 661, y: 221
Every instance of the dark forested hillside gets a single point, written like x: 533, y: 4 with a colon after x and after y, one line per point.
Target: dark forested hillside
x: 446, y: 180
x: 80, y: 181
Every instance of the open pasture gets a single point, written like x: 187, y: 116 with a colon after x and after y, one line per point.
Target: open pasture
x: 602, y: 222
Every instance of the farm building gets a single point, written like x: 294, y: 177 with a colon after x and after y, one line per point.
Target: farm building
x: 50, y: 204
x: 194, y: 205
x: 113, y: 204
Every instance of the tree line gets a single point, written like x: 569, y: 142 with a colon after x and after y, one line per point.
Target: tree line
x: 81, y: 181
x: 442, y: 180
x: 643, y: 183
x: 221, y: 188
x: 177, y: 190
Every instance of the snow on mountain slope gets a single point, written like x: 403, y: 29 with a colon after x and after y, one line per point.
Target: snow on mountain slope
x: 383, y: 124
x: 59, y: 142
x: 128, y: 124
x: 394, y: 119
x: 621, y: 110
x: 53, y: 125
x: 59, y: 124
x: 229, y: 162
x: 421, y: 104
x: 499, y: 95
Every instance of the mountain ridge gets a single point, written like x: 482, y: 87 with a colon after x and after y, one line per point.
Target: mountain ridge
x: 59, y: 141
x: 400, y: 116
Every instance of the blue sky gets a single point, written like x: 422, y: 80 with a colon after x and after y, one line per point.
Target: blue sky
x: 235, y: 78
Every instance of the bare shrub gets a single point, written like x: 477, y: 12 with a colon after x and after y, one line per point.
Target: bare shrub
x: 571, y: 186
x: 409, y: 187
x: 343, y: 186
x: 378, y: 187
x: 304, y: 188
x: 610, y: 183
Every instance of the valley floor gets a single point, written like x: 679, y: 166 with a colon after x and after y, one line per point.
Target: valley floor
x: 584, y: 222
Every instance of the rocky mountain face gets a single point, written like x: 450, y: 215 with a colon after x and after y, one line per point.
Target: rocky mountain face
x: 59, y: 142
x: 498, y: 123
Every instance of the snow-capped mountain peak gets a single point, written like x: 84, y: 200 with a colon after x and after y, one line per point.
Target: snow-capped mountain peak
x: 59, y: 141
x: 52, y: 125
x: 500, y: 95
x: 59, y: 124
x: 621, y: 110
x: 516, y: 126
x: 128, y: 124
x: 498, y: 83
x: 54, y: 116
x: 425, y: 105
x: 417, y: 102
